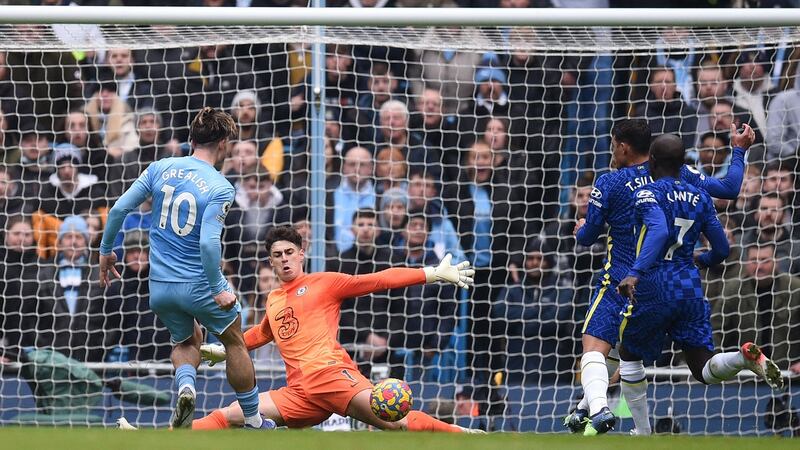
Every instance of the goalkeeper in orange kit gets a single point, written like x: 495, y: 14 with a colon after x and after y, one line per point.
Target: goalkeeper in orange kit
x: 302, y: 317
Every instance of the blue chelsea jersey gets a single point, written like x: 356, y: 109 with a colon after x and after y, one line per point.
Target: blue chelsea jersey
x: 612, y: 202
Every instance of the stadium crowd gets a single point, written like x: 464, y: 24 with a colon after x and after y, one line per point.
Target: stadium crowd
x: 488, y: 156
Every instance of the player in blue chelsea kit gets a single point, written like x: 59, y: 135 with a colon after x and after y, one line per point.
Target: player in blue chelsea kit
x: 190, y: 202
x: 612, y: 202
x: 664, y: 285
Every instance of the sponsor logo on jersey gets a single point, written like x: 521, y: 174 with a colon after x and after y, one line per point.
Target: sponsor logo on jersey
x: 596, y: 193
x: 644, y: 194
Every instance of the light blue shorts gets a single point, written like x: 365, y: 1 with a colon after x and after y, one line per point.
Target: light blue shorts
x: 178, y: 304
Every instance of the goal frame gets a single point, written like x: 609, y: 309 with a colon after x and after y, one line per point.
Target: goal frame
x: 319, y: 17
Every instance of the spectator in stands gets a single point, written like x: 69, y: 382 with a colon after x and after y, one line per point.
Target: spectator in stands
x: 69, y: 192
x: 535, y: 315
x: 575, y: 261
x: 45, y: 81
x: 748, y: 196
x: 334, y: 131
x: 783, y: 123
x: 491, y: 98
x: 70, y: 310
x: 716, y: 277
x: 440, y: 131
x: 141, y: 219
x: 77, y: 131
x: 760, y: 307
x: 751, y: 87
x: 136, y: 91
x: 365, y: 320
x: 713, y: 157
x: 538, y: 86
x: 423, y: 194
x: 665, y: 110
x: 340, y: 87
x: 392, y: 219
x: 245, y: 109
x: 365, y: 115
x: 213, y: 78
x: 780, y: 178
x: 724, y: 113
x: 425, y: 313
x: 394, y: 133
x: 129, y: 320
x: 714, y: 87
x: 482, y: 203
x: 448, y: 72
x: 391, y: 170
x: 10, y: 150
x: 36, y: 163
x: 113, y: 119
x: 771, y: 227
x: 495, y: 135
x: 94, y: 221
x: 150, y: 149
x: 257, y: 206
x: 355, y: 191
x: 165, y: 70
x: 243, y: 160
x: 11, y: 201
x: 21, y: 273
x: 16, y: 104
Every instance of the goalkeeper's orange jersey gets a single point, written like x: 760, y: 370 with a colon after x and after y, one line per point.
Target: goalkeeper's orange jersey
x: 302, y: 317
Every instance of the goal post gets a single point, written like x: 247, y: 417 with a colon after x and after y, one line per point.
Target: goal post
x: 476, y: 132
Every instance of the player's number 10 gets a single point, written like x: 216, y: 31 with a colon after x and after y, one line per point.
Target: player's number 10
x: 169, y: 191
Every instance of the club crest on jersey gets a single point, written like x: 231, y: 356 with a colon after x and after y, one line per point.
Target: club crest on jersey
x: 302, y: 291
x: 225, y: 208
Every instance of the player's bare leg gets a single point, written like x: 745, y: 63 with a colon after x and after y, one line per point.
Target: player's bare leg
x: 231, y: 416
x: 185, y: 358
x: 241, y: 374
x: 360, y: 409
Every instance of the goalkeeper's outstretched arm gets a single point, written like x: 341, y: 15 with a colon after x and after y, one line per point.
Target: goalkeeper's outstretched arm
x: 348, y: 286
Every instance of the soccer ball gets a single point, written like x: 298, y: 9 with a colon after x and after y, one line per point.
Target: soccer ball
x: 391, y: 399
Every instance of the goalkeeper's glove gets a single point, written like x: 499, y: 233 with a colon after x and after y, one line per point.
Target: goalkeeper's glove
x: 460, y: 274
x: 212, y: 353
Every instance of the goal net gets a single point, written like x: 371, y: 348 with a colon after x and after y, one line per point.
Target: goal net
x: 481, y: 142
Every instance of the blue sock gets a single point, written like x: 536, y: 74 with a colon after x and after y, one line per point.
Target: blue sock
x: 185, y: 374
x: 249, y: 402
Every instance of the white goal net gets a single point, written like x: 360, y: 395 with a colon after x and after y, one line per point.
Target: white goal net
x: 482, y: 142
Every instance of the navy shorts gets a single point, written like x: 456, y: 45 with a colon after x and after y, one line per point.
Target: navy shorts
x: 605, y: 314
x: 646, y: 323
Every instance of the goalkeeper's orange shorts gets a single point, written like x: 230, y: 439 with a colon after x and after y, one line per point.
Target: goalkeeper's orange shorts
x: 322, y: 393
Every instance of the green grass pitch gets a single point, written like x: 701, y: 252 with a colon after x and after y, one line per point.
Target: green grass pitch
x: 89, y: 439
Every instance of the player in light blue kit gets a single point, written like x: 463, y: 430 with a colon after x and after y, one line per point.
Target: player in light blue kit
x: 664, y: 286
x: 190, y: 202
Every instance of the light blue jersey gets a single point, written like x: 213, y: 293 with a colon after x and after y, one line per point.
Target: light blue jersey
x: 190, y: 202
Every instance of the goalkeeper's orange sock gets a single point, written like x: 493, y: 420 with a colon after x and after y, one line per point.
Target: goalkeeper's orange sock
x: 214, y: 421
x: 419, y: 421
